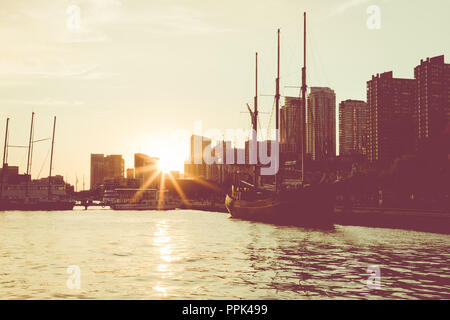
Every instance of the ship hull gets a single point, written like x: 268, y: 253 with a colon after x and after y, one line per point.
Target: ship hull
x: 36, y: 206
x: 309, y: 207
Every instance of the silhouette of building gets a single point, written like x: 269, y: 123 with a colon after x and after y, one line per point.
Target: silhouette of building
x: 321, y: 127
x: 146, y: 170
x: 195, y: 167
x: 130, y: 173
x: 108, y: 167
x: 290, y: 122
x: 391, y: 103
x: 353, y: 124
x: 433, y: 97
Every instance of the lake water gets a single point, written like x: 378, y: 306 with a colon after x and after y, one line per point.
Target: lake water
x: 104, y: 254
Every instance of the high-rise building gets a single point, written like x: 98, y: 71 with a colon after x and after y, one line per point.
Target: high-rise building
x: 391, y: 103
x: 321, y: 127
x: 196, y: 166
x: 108, y: 167
x: 130, y: 173
x: 97, y: 170
x: 146, y: 170
x: 290, y: 122
x: 353, y: 124
x: 433, y: 97
x: 114, y: 166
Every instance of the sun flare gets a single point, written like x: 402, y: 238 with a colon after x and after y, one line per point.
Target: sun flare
x: 170, y: 161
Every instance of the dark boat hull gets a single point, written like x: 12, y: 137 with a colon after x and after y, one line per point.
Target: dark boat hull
x: 308, y: 207
x: 36, y: 206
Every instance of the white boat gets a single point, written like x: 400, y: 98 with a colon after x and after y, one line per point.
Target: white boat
x: 145, y: 206
x: 141, y: 199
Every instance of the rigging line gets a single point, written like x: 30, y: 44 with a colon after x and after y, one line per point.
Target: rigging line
x: 270, y: 118
x: 43, y: 163
x: 318, y: 56
x: 260, y: 129
x: 12, y: 146
x: 45, y: 139
x: 22, y: 161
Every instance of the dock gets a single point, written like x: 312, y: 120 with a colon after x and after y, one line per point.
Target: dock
x: 412, y: 219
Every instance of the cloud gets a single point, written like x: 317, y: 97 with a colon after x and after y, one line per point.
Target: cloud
x: 18, y: 74
x: 175, y: 20
x: 45, y: 102
x: 345, y: 6
x: 84, y: 37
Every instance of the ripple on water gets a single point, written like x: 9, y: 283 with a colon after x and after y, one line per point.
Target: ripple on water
x: 198, y: 255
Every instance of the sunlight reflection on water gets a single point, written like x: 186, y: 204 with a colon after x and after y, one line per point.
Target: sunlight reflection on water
x: 199, y: 255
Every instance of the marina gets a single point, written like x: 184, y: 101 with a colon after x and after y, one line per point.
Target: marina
x: 242, y: 151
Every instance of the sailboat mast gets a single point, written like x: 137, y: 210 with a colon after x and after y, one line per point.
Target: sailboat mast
x: 30, y: 146
x: 5, y: 147
x: 30, y: 151
x: 255, y: 122
x: 51, y: 160
x: 5, y: 157
x: 277, y: 107
x: 303, y: 114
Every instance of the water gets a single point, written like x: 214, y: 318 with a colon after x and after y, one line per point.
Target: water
x: 201, y: 255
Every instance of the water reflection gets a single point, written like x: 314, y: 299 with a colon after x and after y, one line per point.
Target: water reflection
x: 198, y: 255
x: 161, y: 240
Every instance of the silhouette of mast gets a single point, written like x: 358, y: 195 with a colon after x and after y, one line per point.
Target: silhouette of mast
x: 277, y: 107
x: 30, y: 151
x: 5, y: 157
x: 255, y: 121
x: 303, y: 111
x: 51, y: 160
x: 30, y: 145
x: 5, y: 147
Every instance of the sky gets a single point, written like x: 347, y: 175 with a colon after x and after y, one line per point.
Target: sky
x: 122, y: 76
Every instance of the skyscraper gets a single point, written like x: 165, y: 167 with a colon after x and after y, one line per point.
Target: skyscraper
x: 353, y: 127
x: 321, y: 116
x: 433, y: 97
x: 196, y: 166
x: 391, y: 103
x: 146, y: 170
x: 109, y: 167
x: 97, y: 170
x: 290, y: 121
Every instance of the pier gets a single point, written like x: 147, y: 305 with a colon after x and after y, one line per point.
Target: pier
x: 397, y: 218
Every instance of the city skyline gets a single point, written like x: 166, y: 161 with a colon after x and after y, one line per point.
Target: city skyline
x: 107, y: 109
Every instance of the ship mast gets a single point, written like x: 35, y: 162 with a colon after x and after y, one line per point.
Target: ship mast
x: 5, y: 157
x: 30, y: 145
x: 255, y: 122
x: 277, y: 108
x: 51, y: 160
x: 30, y: 151
x: 303, y: 111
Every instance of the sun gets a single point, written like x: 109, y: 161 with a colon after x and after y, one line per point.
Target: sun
x: 170, y: 161
x: 171, y: 154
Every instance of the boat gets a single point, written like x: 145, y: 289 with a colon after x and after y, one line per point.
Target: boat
x: 308, y: 205
x: 140, y: 199
x: 20, y: 192
x: 145, y: 205
x: 36, y: 205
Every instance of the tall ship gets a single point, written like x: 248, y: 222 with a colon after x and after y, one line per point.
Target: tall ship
x: 20, y: 192
x: 301, y: 203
